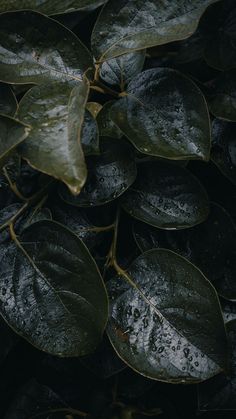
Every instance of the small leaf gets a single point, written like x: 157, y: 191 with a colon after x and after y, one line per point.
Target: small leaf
x: 125, y: 26
x: 159, y: 324
x: 222, y: 99
x: 54, y: 297
x: 109, y: 175
x: 35, y: 49
x: 56, y: 113
x: 106, y: 126
x: 223, y: 151
x: 8, y: 103
x: 12, y: 133
x: 94, y: 108
x: 120, y: 71
x: 49, y: 7
x: 89, y: 135
x: 164, y: 114
x: 166, y: 196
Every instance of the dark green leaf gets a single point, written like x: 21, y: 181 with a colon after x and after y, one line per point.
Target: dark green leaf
x: 120, y: 71
x: 106, y: 126
x: 49, y: 7
x: 35, y: 48
x: 56, y: 113
x: 167, y: 196
x: 222, y: 99
x: 89, y: 135
x: 109, y: 175
x: 51, y: 291
x: 211, y: 246
x: 159, y: 324
x: 12, y: 133
x: 223, y: 152
x: 165, y: 115
x: 8, y: 101
x: 125, y: 26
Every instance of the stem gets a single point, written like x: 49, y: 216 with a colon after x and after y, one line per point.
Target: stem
x: 14, y: 217
x: 98, y: 229
x: 61, y: 410
x: 13, y: 186
x: 102, y: 88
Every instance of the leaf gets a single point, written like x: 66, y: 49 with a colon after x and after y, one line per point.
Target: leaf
x: 127, y: 26
x: 159, y: 324
x: 52, y: 293
x: 120, y: 71
x: 56, y: 113
x: 211, y: 246
x: 223, y: 151
x: 228, y: 310
x: 222, y: 99
x: 106, y: 126
x: 35, y: 49
x: 94, y: 108
x: 109, y: 175
x: 166, y: 196
x: 49, y: 7
x: 8, y: 101
x: 12, y: 133
x: 164, y: 114
x: 89, y: 135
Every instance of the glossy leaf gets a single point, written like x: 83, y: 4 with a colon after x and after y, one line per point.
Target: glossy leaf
x: 109, y: 175
x: 51, y: 291
x: 56, y: 113
x: 12, y: 133
x: 126, y: 26
x: 35, y: 49
x: 8, y: 101
x: 89, y: 135
x: 106, y: 126
x: 223, y: 152
x: 49, y: 7
x: 159, y: 324
x: 167, y: 196
x: 121, y: 70
x: 211, y: 246
x: 222, y: 99
x: 165, y: 115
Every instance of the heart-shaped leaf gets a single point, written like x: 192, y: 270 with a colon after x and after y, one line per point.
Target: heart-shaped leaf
x: 8, y: 101
x: 56, y: 113
x: 12, y: 133
x: 222, y: 98
x: 51, y: 291
x: 35, y: 48
x: 49, y: 7
x: 167, y: 196
x: 125, y: 26
x: 223, y: 151
x: 164, y: 114
x: 109, y: 175
x: 158, y: 321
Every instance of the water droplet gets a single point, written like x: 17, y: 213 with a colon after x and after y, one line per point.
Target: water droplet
x: 160, y: 349
x: 136, y: 313
x: 154, y: 348
x: 196, y: 363
x: 101, y: 180
x: 186, y: 352
x: 145, y: 322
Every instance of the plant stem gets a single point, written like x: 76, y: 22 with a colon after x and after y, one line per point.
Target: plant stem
x: 14, y: 217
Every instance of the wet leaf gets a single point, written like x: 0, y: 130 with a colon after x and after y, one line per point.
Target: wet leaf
x: 56, y: 113
x: 106, y: 126
x: 165, y: 115
x: 109, y: 175
x: 159, y: 324
x: 51, y: 291
x: 121, y: 70
x: 49, y: 7
x: 128, y: 26
x: 89, y: 135
x: 222, y: 99
x: 166, y: 196
x: 35, y: 49
x: 8, y: 101
x: 223, y: 152
x: 12, y: 133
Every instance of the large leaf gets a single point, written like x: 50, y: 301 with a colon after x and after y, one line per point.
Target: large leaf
x: 211, y: 246
x: 53, y: 293
x: 49, y: 7
x: 223, y: 152
x: 35, y: 48
x: 56, y: 113
x: 125, y: 26
x: 167, y: 196
x: 8, y: 101
x: 159, y: 324
x: 120, y: 71
x: 109, y: 175
x: 164, y: 114
x: 12, y: 133
x: 222, y: 98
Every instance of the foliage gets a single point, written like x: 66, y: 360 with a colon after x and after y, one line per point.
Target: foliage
x: 117, y: 205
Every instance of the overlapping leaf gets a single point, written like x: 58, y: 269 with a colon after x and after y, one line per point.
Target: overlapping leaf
x: 12, y: 133
x: 8, y: 102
